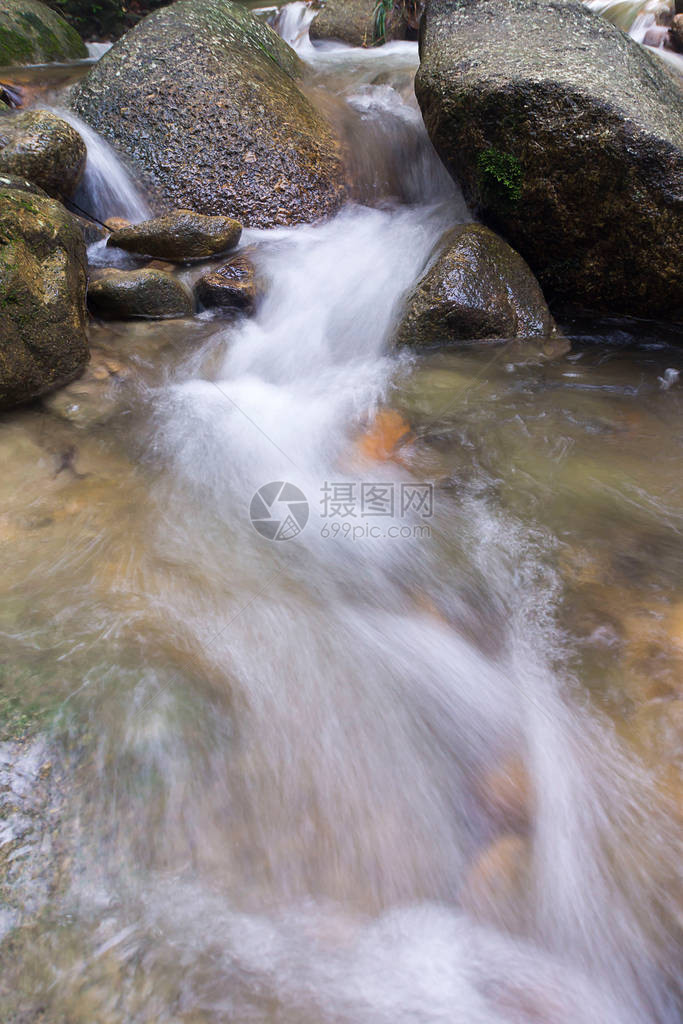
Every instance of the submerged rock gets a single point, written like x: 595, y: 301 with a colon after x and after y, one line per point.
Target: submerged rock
x: 221, y: 127
x: 356, y: 22
x: 152, y: 294
x: 178, y: 236
x: 42, y: 297
x: 32, y: 33
x: 477, y: 288
x: 40, y: 146
x: 568, y: 137
x: 231, y: 286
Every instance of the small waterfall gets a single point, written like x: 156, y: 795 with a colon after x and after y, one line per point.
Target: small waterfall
x: 292, y: 25
x: 107, y: 188
x: 639, y: 19
x: 97, y: 50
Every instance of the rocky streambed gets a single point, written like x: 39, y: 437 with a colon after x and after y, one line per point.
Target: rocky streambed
x: 342, y: 604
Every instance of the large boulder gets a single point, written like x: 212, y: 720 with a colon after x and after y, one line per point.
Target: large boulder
x: 203, y: 100
x: 146, y: 293
x: 30, y: 33
x: 40, y: 146
x: 43, y: 341
x: 179, y: 236
x: 568, y: 138
x: 358, y: 22
x: 477, y: 288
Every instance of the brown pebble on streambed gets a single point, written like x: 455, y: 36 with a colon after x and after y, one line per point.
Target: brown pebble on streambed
x: 507, y: 794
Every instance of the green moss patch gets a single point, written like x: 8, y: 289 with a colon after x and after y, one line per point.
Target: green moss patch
x: 500, y: 177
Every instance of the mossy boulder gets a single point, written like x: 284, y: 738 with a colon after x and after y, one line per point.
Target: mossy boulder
x: 147, y: 293
x: 43, y: 341
x: 31, y: 33
x: 179, y: 236
x: 41, y: 147
x: 356, y: 22
x: 203, y: 100
x: 232, y: 286
x: 567, y: 136
x: 477, y: 288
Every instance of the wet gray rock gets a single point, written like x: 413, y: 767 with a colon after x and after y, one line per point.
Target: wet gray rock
x: 354, y: 22
x: 148, y: 293
x: 204, y: 102
x: 477, y: 288
x: 41, y: 147
x: 43, y: 341
x: 32, y: 33
x: 568, y: 138
x: 179, y: 236
x: 676, y: 33
x: 232, y: 286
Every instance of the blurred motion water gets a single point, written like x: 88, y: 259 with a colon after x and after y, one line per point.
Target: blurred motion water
x: 347, y: 777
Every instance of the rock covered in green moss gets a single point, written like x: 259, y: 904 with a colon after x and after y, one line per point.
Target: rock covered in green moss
x: 358, y: 22
x: 39, y: 146
x: 43, y: 341
x: 203, y: 100
x: 32, y: 33
x: 568, y: 137
x: 477, y: 288
x: 179, y: 236
x: 147, y: 293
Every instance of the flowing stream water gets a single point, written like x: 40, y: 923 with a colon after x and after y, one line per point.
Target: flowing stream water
x: 419, y: 766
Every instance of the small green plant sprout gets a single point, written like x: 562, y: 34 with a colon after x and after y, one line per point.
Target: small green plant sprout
x: 500, y: 176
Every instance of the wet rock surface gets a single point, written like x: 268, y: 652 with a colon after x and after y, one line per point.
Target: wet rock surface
x: 41, y: 147
x: 155, y: 294
x: 478, y: 288
x: 179, y: 236
x: 222, y: 127
x: 30, y: 33
x: 568, y: 137
x: 43, y: 341
x: 232, y: 286
x: 355, y: 22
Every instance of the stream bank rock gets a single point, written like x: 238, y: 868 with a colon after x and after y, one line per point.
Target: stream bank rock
x: 179, y: 236
x: 354, y: 22
x: 478, y: 288
x: 43, y: 340
x: 147, y: 293
x: 203, y: 100
x: 31, y: 33
x: 41, y: 147
x: 568, y: 138
x: 232, y: 286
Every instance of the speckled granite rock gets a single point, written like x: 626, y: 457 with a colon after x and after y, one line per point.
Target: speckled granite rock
x: 42, y: 297
x: 203, y: 100
x: 42, y: 147
x: 353, y: 22
x: 568, y: 138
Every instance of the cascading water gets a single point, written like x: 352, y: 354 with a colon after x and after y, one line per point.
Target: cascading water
x: 281, y: 814
x: 639, y: 19
x: 107, y: 188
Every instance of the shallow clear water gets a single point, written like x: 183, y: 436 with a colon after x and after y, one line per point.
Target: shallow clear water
x: 417, y: 765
